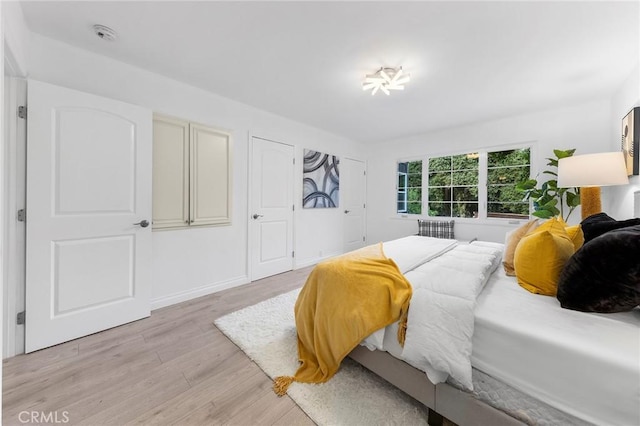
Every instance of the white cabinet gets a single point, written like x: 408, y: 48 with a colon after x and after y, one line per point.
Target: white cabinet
x: 191, y: 174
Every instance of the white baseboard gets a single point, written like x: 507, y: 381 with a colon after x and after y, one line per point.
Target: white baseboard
x: 193, y: 293
x: 312, y: 261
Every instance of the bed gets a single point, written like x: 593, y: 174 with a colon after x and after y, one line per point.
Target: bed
x: 532, y: 361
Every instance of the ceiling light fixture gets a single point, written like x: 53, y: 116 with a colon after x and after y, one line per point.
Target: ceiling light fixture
x: 386, y: 79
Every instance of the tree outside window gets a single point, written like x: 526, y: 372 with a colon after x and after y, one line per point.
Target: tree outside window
x: 453, y: 183
x: 504, y: 170
x: 409, y: 187
x: 453, y: 186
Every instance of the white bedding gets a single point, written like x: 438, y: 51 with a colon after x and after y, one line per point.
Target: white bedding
x: 587, y: 365
x: 413, y: 251
x: 409, y: 253
x: 441, y: 315
x: 445, y: 288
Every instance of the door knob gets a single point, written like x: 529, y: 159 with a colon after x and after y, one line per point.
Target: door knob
x: 346, y: 211
x: 143, y: 223
x: 255, y: 216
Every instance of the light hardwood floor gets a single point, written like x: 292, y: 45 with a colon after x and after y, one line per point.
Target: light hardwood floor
x: 174, y: 367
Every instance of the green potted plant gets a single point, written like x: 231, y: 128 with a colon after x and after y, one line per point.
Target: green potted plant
x: 549, y: 200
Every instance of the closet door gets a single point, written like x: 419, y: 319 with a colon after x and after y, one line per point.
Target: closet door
x: 272, y: 208
x: 354, y: 184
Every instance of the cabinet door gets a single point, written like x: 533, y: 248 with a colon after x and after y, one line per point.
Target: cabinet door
x: 170, y: 172
x: 210, y: 183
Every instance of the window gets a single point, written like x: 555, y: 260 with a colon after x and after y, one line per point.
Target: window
x: 409, y: 187
x: 471, y: 185
x: 191, y: 174
x: 453, y: 186
x: 504, y: 170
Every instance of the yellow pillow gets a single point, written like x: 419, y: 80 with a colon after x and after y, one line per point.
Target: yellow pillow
x: 512, y: 240
x: 540, y: 257
x: 575, y: 234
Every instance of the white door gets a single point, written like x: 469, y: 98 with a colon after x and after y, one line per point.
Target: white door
x: 353, y: 186
x: 88, y: 209
x: 271, y: 214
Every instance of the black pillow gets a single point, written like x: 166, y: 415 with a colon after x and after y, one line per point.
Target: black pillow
x: 604, y: 275
x: 597, y: 224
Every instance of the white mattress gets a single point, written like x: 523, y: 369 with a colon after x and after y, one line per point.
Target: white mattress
x: 492, y: 391
x: 517, y: 404
x: 587, y: 365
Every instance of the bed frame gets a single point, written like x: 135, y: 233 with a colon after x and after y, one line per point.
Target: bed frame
x: 442, y: 400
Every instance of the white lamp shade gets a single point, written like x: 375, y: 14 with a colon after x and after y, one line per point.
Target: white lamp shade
x: 602, y: 169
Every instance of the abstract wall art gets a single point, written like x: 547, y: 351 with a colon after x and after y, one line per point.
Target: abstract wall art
x: 320, y: 180
x: 631, y: 141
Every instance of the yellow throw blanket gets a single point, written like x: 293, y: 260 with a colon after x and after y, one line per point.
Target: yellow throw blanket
x: 344, y: 300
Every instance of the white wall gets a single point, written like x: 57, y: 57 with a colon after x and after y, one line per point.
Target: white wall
x: 189, y: 263
x: 620, y: 198
x: 585, y: 127
x: 15, y: 33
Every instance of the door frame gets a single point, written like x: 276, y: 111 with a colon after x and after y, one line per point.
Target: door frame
x: 250, y: 222
x: 14, y: 238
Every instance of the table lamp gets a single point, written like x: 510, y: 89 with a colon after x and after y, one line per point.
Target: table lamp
x: 590, y: 172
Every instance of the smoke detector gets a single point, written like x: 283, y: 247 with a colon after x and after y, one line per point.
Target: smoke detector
x: 104, y: 32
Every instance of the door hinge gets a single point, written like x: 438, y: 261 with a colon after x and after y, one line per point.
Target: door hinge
x: 294, y: 160
x: 293, y: 254
x: 21, y: 317
x: 22, y: 215
x: 293, y: 207
x: 363, y: 238
x: 364, y: 206
x: 22, y: 112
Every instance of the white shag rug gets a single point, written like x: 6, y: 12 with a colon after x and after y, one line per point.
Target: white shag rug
x: 266, y: 332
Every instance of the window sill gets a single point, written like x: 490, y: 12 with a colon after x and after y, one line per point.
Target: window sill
x: 464, y: 220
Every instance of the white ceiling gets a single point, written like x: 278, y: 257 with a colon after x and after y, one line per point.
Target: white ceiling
x: 469, y: 61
